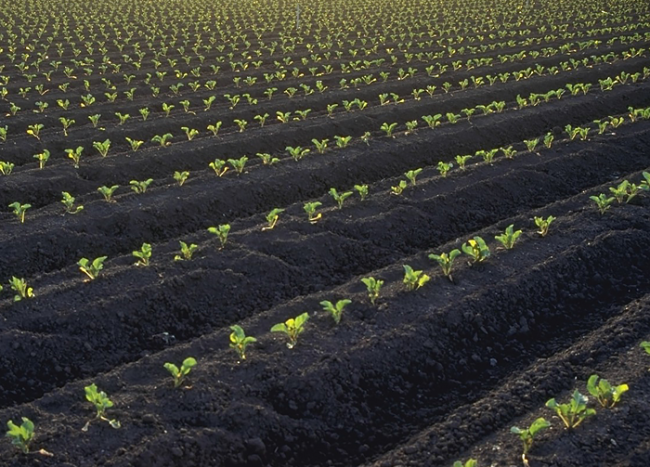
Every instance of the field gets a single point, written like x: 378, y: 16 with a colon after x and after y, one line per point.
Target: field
x: 298, y: 152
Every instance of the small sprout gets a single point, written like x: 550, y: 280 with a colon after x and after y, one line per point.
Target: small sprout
x: 462, y: 161
x: 339, y: 197
x: 604, y: 393
x: 6, y: 167
x: 75, y: 155
x: 91, y: 269
x: 603, y: 202
x: 398, y: 189
x: 22, y: 435
x: 446, y: 261
x: 239, y: 341
x: 645, y: 345
x: 477, y: 249
x: 531, y: 144
x: 181, y: 177
x: 573, y: 413
x: 68, y: 203
x: 335, y: 310
x: 388, y: 128
x: 186, y: 251
x: 219, y: 167
x: 469, y: 463
x: 238, y: 164
x: 444, y: 168
x: 272, y: 218
x: 362, y: 190
x: 412, y: 175
x: 42, y: 158
x: 19, y: 210
x: 222, y: 232
x: 292, y: 328
x: 528, y: 434
x: 143, y: 255
x: 101, y: 402
x: 543, y: 224
x: 140, y: 186
x: 179, y: 374
x: 509, y: 237
x: 20, y: 287
x: 414, y: 279
x: 102, y: 147
x: 108, y: 192
x: 310, y: 209
x: 373, y: 286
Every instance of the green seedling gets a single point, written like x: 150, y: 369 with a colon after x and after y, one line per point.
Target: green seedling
x: 272, y: 218
x: 335, y: 309
x: 140, y: 186
x: 374, y: 287
x: 292, y: 328
x: 603, y: 202
x: 222, y: 232
x: 342, y: 141
x: 181, y: 177
x: 21, y: 436
x: 143, y: 255
x: 20, y: 210
x: 543, y: 224
x: 412, y: 175
x: 238, y: 164
x: 645, y: 184
x: 20, y: 287
x: 42, y: 158
x: 528, y: 434
x: 388, y: 128
x: 267, y: 159
x: 298, y: 152
x: 163, y: 140
x: 102, y: 147
x: 446, y: 262
x: 34, y: 130
x: 91, y: 268
x: 625, y: 191
x: 107, y: 192
x: 68, y: 202
x: 191, y: 133
x: 101, y: 402
x: 186, y: 251
x: 239, y: 341
x: 414, y: 279
x: 75, y: 155
x: 339, y: 197
x: 398, y: 189
x: 444, y: 168
x: 573, y: 413
x: 310, y: 209
x: 531, y: 144
x: 605, y: 393
x: 462, y: 161
x: 219, y: 167
x: 509, y: 237
x: 179, y: 374
x: 477, y: 249
x: 468, y: 463
x: 362, y: 190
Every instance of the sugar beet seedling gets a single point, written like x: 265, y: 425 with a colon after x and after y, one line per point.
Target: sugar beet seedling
x: 101, y: 402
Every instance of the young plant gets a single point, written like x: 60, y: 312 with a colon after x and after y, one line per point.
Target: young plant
x: 22, y: 435
x: 163, y: 140
x: 399, y: 189
x: 292, y: 327
x: 75, y: 155
x: 42, y: 158
x: 339, y: 197
x: 20, y: 210
x: 531, y: 144
x: 179, y: 374
x: 509, y: 237
x: 573, y: 413
x: 91, y: 268
x: 238, y: 164
x: 388, y: 128
x: 605, y: 393
x: 462, y: 161
x: 239, y: 340
x: 603, y: 202
x: 135, y: 144
x: 107, y: 192
x: 414, y: 279
x: 446, y: 262
x: 143, y: 255
x: 186, y: 251
x: 477, y: 249
x: 298, y: 152
x: 310, y: 209
x: 102, y: 147
x: 528, y: 434
x: 101, y: 402
x: 219, y: 167
x: 181, y: 177
x: 140, y: 186
x: 68, y: 202
x: 362, y: 190
x: 543, y: 224
x: 412, y: 175
x: 335, y: 309
x: 272, y: 218
x: 19, y: 286
x: 374, y: 287
x: 222, y: 232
